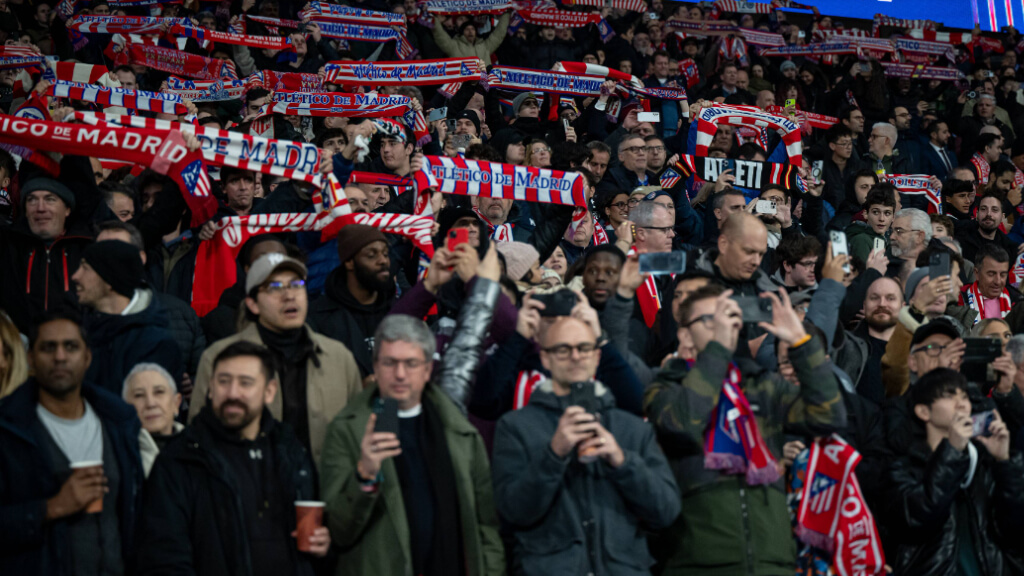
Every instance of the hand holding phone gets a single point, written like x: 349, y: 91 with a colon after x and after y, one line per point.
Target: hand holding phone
x: 380, y: 439
x: 838, y: 242
x: 661, y: 263
x: 456, y: 237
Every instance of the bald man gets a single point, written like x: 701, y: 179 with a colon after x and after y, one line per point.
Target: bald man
x: 621, y: 476
x: 742, y: 246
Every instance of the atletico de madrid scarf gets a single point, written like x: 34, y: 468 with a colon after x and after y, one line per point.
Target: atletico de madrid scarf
x: 981, y: 167
x: 460, y: 7
x: 803, y: 117
x: 127, y: 98
x: 496, y: 180
x: 19, y: 57
x: 293, y: 81
x: 500, y: 232
x: 320, y: 11
x: 162, y: 150
x: 558, y: 18
x: 179, y: 63
x: 732, y: 442
x: 833, y: 515
x: 922, y: 72
x: 206, y: 90
x: 629, y: 5
x: 971, y: 296
x: 409, y: 73
x: 749, y: 173
x: 703, y: 130
x: 204, y: 35
x: 108, y: 24
x: 917, y: 185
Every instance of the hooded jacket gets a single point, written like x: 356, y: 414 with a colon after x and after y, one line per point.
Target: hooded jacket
x: 28, y: 544
x: 482, y: 48
x: 120, y: 341
x: 860, y: 238
x: 338, y: 315
x: 194, y: 523
x: 930, y: 506
x: 36, y: 274
x: 550, y: 501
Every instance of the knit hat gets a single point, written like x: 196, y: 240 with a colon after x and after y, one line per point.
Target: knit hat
x: 787, y: 65
x: 912, y: 281
x: 354, y: 238
x: 117, y: 263
x: 472, y: 116
x: 519, y: 258
x: 519, y: 100
x: 50, y: 185
x: 265, y: 266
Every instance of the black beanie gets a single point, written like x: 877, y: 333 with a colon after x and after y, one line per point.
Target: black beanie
x: 117, y: 263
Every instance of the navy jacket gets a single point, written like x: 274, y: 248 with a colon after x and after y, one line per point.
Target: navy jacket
x: 931, y: 163
x: 28, y: 545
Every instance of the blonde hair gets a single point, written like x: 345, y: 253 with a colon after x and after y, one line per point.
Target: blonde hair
x: 14, y: 354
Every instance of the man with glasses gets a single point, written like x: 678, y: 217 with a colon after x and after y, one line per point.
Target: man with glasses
x: 799, y: 256
x: 695, y: 424
x: 839, y: 166
x: 911, y: 232
x: 573, y: 469
x: 316, y: 375
x: 656, y: 155
x: 632, y: 169
x: 880, y: 157
x: 411, y: 493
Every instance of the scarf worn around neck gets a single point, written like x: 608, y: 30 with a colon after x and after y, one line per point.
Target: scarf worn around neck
x: 971, y: 296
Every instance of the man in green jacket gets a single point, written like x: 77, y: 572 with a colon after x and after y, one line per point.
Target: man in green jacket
x: 418, y: 502
x: 730, y: 526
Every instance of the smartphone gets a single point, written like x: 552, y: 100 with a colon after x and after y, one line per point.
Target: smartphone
x: 765, y: 207
x: 661, y: 263
x: 648, y: 116
x: 565, y: 124
x: 456, y: 237
x: 801, y: 34
x: 437, y: 114
x: 938, y: 265
x: 879, y: 245
x: 582, y: 394
x: 451, y: 125
x: 981, y: 421
x: 754, y: 309
x: 790, y: 102
x: 461, y: 141
x: 865, y: 67
x: 838, y: 239
x: 558, y: 303
x: 982, y: 350
x: 386, y: 410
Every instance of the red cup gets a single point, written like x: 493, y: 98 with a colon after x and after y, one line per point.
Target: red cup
x: 309, y: 515
x: 96, y: 506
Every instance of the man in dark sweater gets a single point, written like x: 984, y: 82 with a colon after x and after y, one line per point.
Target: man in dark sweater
x: 221, y: 498
x: 358, y: 293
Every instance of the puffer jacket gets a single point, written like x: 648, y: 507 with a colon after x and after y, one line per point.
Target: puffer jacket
x: 929, y: 505
x: 728, y: 527
x: 572, y: 518
x: 184, y: 327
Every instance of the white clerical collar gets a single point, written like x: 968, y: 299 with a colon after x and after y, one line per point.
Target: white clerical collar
x: 411, y: 412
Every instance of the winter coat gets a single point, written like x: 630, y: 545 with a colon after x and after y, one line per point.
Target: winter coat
x: 119, y: 342
x: 336, y: 314
x: 925, y: 490
x: 186, y: 331
x: 551, y: 501
x: 860, y: 238
x: 194, y: 523
x: 482, y: 48
x: 969, y: 236
x: 36, y: 275
x: 370, y: 529
x: 332, y: 379
x: 728, y: 526
x: 29, y: 545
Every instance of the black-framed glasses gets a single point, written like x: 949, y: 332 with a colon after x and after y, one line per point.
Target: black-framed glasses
x: 933, y: 350
x: 655, y: 148
x: 620, y: 205
x: 635, y: 149
x: 564, y: 351
x: 665, y: 229
x: 278, y: 288
x: 705, y: 319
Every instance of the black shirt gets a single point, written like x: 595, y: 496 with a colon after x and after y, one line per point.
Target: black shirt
x: 871, y: 386
x: 417, y: 491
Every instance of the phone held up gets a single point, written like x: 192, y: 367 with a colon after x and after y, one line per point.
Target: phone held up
x: 386, y: 410
x: 838, y: 240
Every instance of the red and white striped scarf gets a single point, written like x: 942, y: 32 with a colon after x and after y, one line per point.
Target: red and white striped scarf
x: 548, y: 81
x: 946, y: 37
x: 323, y: 11
x: 760, y: 37
x: 76, y: 72
x: 19, y: 57
x: 495, y: 180
x: 734, y: 49
x: 709, y: 118
x: 883, y: 20
x: 295, y: 81
x: 628, y: 5
x: 981, y: 167
x: 109, y: 24
x: 971, y: 296
x: 292, y: 160
x: 526, y: 382
x: 917, y: 185
x: 206, y: 91
x: 204, y: 35
x: 162, y: 150
x: 180, y: 63
x: 361, y: 33
x: 408, y: 73
x: 127, y: 98
x: 558, y: 18
x: 924, y: 47
x: 921, y: 72
x: 499, y: 232
x: 337, y: 104
x: 804, y: 117
x: 273, y: 25
x: 720, y: 7
x: 470, y: 7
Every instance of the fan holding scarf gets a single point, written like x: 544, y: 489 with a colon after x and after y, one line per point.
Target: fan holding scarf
x: 720, y: 420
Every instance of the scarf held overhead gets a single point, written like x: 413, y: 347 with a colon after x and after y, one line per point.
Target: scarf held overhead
x: 495, y: 180
x: 131, y: 99
x: 412, y: 73
x: 179, y: 63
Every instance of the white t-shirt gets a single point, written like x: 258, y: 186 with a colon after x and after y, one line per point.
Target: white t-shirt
x: 80, y: 440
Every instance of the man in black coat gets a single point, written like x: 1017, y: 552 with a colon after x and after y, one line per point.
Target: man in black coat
x: 220, y: 497
x: 958, y: 496
x: 49, y: 423
x: 358, y: 293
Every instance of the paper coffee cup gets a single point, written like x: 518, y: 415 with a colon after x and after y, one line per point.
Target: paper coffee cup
x: 309, y: 515
x: 96, y: 506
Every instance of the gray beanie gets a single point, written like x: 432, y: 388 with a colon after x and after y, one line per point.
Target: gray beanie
x: 50, y: 185
x: 912, y: 281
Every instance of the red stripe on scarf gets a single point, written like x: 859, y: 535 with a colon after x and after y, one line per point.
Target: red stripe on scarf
x: 971, y: 296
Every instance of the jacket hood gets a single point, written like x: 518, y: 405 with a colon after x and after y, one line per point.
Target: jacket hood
x: 544, y: 396
x: 761, y: 281
x: 103, y: 327
x: 339, y: 294
x: 856, y: 229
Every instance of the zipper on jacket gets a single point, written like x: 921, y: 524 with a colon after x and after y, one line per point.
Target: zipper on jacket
x: 46, y: 291
x: 745, y: 514
x: 28, y: 276
x: 64, y: 257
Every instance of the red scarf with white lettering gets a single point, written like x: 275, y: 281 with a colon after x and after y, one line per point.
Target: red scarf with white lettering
x: 179, y: 63
x: 833, y: 515
x: 971, y: 296
x: 125, y: 97
x: 629, y: 5
x: 162, y: 150
x: 732, y: 441
x: 204, y: 35
x: 460, y: 7
x: 407, y: 73
x: 982, y: 167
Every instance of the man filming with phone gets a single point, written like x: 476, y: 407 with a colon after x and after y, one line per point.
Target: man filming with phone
x: 720, y: 419
x: 574, y: 475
